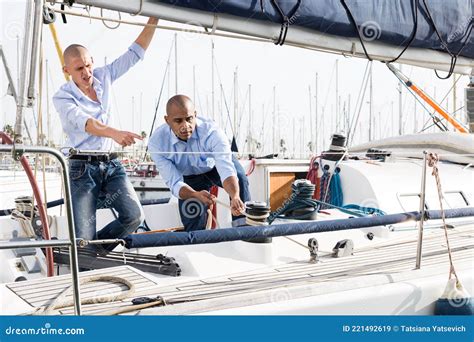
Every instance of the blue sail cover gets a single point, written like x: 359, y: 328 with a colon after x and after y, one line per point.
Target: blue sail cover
x: 386, y: 21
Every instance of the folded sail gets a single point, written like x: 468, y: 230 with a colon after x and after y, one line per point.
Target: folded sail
x: 434, y: 30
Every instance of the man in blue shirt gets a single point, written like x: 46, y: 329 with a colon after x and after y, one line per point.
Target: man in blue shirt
x: 97, y: 177
x: 192, y: 154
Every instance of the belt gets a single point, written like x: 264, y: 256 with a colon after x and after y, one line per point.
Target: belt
x: 94, y: 157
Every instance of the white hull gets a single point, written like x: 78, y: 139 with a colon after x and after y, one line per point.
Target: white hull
x: 276, y: 278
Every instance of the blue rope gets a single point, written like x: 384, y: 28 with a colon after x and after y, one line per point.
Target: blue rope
x: 301, y: 198
x: 336, y: 189
x: 364, y: 210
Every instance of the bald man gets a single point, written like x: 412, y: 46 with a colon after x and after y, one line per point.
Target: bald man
x: 192, y: 154
x: 96, y: 175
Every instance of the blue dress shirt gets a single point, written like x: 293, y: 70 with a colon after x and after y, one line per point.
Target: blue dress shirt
x: 208, y: 147
x: 75, y: 108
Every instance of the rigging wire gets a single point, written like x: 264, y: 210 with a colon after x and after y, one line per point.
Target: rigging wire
x: 224, y: 97
x: 159, y: 98
x: 436, y: 120
x: 358, y: 103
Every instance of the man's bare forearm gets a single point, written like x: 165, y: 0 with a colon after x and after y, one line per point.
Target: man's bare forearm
x: 146, y: 35
x: 124, y: 138
x: 186, y: 192
x: 97, y: 128
x: 231, y: 186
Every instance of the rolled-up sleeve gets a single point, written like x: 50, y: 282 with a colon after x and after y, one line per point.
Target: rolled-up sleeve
x: 72, y: 118
x: 120, y: 66
x: 167, y: 169
x: 221, y: 151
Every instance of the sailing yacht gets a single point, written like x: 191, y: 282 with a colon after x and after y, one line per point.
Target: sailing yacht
x: 359, y: 230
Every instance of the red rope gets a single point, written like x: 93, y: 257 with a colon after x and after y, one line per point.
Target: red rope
x: 312, y: 176
x: 5, y: 139
x: 214, y: 191
x: 251, y: 167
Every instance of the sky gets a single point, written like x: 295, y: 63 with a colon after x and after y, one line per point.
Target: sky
x: 290, y: 71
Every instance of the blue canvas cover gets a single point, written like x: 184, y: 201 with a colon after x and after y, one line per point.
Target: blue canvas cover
x: 303, y: 227
x: 387, y: 21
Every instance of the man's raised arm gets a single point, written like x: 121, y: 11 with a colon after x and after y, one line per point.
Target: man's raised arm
x: 146, y: 35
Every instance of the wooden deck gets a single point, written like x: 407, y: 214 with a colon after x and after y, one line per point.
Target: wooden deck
x: 389, y: 263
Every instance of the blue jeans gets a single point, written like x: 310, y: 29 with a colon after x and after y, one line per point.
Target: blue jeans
x: 97, y: 184
x: 193, y: 212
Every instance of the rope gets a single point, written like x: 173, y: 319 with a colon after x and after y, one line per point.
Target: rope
x: 337, y: 196
x: 131, y: 308
x: 251, y: 168
x: 60, y: 302
x: 312, y: 176
x: 454, y: 56
x: 433, y: 162
x: 25, y: 223
x: 287, y: 19
x: 104, y: 21
x: 251, y: 220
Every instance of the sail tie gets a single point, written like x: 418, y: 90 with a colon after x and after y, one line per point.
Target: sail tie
x: 287, y: 19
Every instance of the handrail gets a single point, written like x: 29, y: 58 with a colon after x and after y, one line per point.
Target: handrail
x: 35, y: 243
x: 17, y: 151
x: 422, y: 211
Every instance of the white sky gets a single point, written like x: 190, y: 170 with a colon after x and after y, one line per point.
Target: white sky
x: 290, y: 70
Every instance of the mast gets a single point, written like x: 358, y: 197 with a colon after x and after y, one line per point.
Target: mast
x: 194, y: 84
x: 21, y: 103
x: 140, y: 114
x: 393, y: 119
x: 236, y: 104
x: 294, y: 138
x: 400, y: 116
x: 274, y: 121
x: 48, y: 113
x: 168, y: 77
x: 176, y: 62
x: 337, y: 95
x: 323, y: 145
x: 371, y: 96
x: 212, y: 75
x: 221, y: 109
x: 17, y: 63
x: 310, y: 119
x: 316, y: 115
x: 249, y: 134
x: 302, y: 137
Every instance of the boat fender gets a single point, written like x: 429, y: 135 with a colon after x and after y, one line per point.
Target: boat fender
x: 343, y: 248
x: 455, y: 300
